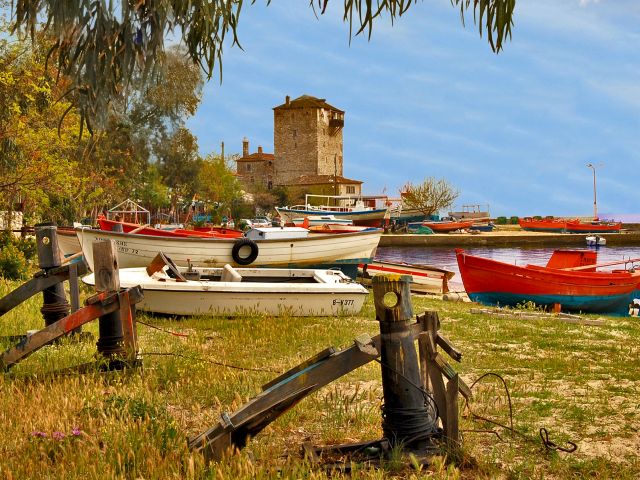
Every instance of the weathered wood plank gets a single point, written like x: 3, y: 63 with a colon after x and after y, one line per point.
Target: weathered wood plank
x: 105, y: 266
x: 452, y: 430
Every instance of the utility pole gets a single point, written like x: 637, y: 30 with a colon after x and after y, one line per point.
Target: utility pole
x: 595, y: 204
x: 222, y: 146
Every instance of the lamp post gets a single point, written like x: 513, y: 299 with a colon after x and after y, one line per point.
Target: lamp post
x: 595, y: 205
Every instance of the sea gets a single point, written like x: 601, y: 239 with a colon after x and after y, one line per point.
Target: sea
x: 444, y: 257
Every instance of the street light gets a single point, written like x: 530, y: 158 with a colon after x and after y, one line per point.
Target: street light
x: 595, y: 205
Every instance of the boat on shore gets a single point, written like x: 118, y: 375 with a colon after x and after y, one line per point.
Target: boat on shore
x: 232, y: 291
x: 569, y: 279
x: 560, y: 225
x: 447, y: 226
x: 344, y: 251
x: 210, y: 232
x: 424, y: 278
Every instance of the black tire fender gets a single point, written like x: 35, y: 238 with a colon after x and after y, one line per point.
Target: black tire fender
x: 237, y: 246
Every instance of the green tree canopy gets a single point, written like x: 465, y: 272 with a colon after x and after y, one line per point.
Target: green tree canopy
x: 102, y: 46
x: 430, y: 196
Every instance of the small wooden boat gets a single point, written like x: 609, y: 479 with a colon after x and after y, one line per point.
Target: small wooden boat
x: 211, y: 232
x: 344, y: 250
x: 424, y: 278
x: 548, y: 224
x: 318, y: 220
x: 446, y: 226
x: 331, y: 228
x: 482, y: 226
x: 570, y: 279
x: 244, y: 291
x: 594, y: 227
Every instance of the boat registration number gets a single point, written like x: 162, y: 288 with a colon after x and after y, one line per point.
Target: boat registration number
x: 344, y: 303
x: 121, y: 246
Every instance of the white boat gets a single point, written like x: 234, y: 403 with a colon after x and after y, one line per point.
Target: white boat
x: 318, y: 220
x: 340, y: 206
x: 596, y: 241
x: 68, y: 241
x: 424, y: 278
x: 245, y: 291
x: 345, y: 250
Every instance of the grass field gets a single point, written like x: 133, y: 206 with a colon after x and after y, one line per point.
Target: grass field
x: 579, y: 382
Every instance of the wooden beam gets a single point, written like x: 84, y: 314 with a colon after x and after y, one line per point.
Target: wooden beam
x: 452, y: 431
x: 105, y: 266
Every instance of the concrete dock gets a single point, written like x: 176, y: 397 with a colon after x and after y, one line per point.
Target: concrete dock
x: 505, y: 238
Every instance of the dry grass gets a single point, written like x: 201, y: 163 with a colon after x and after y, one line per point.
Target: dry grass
x: 579, y: 382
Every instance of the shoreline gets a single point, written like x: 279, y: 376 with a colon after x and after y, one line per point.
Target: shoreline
x: 504, y: 238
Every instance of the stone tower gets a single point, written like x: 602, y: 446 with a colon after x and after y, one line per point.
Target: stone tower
x: 307, y: 139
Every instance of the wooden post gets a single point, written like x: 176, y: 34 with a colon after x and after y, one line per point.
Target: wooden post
x: 430, y: 373
x: 452, y: 430
x: 105, y: 268
x: 400, y: 370
x: 55, y: 305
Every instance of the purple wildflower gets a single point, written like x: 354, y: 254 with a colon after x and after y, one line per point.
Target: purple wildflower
x: 76, y: 432
x: 58, y: 435
x: 39, y: 434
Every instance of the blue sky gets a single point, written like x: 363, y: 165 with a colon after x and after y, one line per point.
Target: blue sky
x: 427, y: 97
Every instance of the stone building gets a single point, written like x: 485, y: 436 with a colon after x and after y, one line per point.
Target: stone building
x: 255, y: 169
x: 307, y: 140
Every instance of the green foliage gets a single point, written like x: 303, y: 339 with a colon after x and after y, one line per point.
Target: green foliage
x: 513, y: 220
x: 103, y: 49
x: 13, y: 264
x: 429, y: 197
x: 501, y: 221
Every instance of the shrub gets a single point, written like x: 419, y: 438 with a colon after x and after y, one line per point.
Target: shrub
x: 28, y: 247
x: 13, y: 264
x: 501, y: 220
x: 513, y: 220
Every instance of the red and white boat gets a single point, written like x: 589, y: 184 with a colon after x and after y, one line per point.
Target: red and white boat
x: 126, y: 227
x: 424, y: 278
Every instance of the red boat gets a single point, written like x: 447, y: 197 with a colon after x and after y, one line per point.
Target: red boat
x: 567, y: 280
x: 447, y: 226
x: 549, y: 224
x: 560, y: 225
x: 214, y: 232
x: 594, y: 227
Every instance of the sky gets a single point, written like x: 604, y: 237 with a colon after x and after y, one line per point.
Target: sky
x: 428, y: 97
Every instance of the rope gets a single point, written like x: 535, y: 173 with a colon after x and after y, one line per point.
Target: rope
x: 544, y: 434
x: 175, y: 334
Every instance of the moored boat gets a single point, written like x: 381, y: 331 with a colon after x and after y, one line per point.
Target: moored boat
x: 344, y: 250
x: 339, y: 206
x: 211, y: 232
x: 244, y: 291
x: 446, y: 226
x: 569, y: 279
x: 424, y: 278
x: 316, y: 220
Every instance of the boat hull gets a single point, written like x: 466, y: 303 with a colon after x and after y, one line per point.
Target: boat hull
x: 424, y: 278
x: 492, y: 282
x: 68, y: 241
x: 366, y: 218
x: 345, y: 250
x: 290, y: 293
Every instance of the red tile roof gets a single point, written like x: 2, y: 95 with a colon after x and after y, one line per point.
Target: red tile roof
x: 307, y: 101
x: 257, y: 157
x: 323, y: 179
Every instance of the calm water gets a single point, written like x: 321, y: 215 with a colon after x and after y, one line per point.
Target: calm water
x: 445, y: 256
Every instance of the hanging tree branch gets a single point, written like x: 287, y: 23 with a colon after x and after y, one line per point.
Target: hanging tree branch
x: 101, y: 45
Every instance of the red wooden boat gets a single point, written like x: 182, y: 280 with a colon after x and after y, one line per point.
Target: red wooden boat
x: 447, y: 226
x: 548, y: 224
x: 594, y: 227
x: 567, y: 280
x: 106, y: 224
